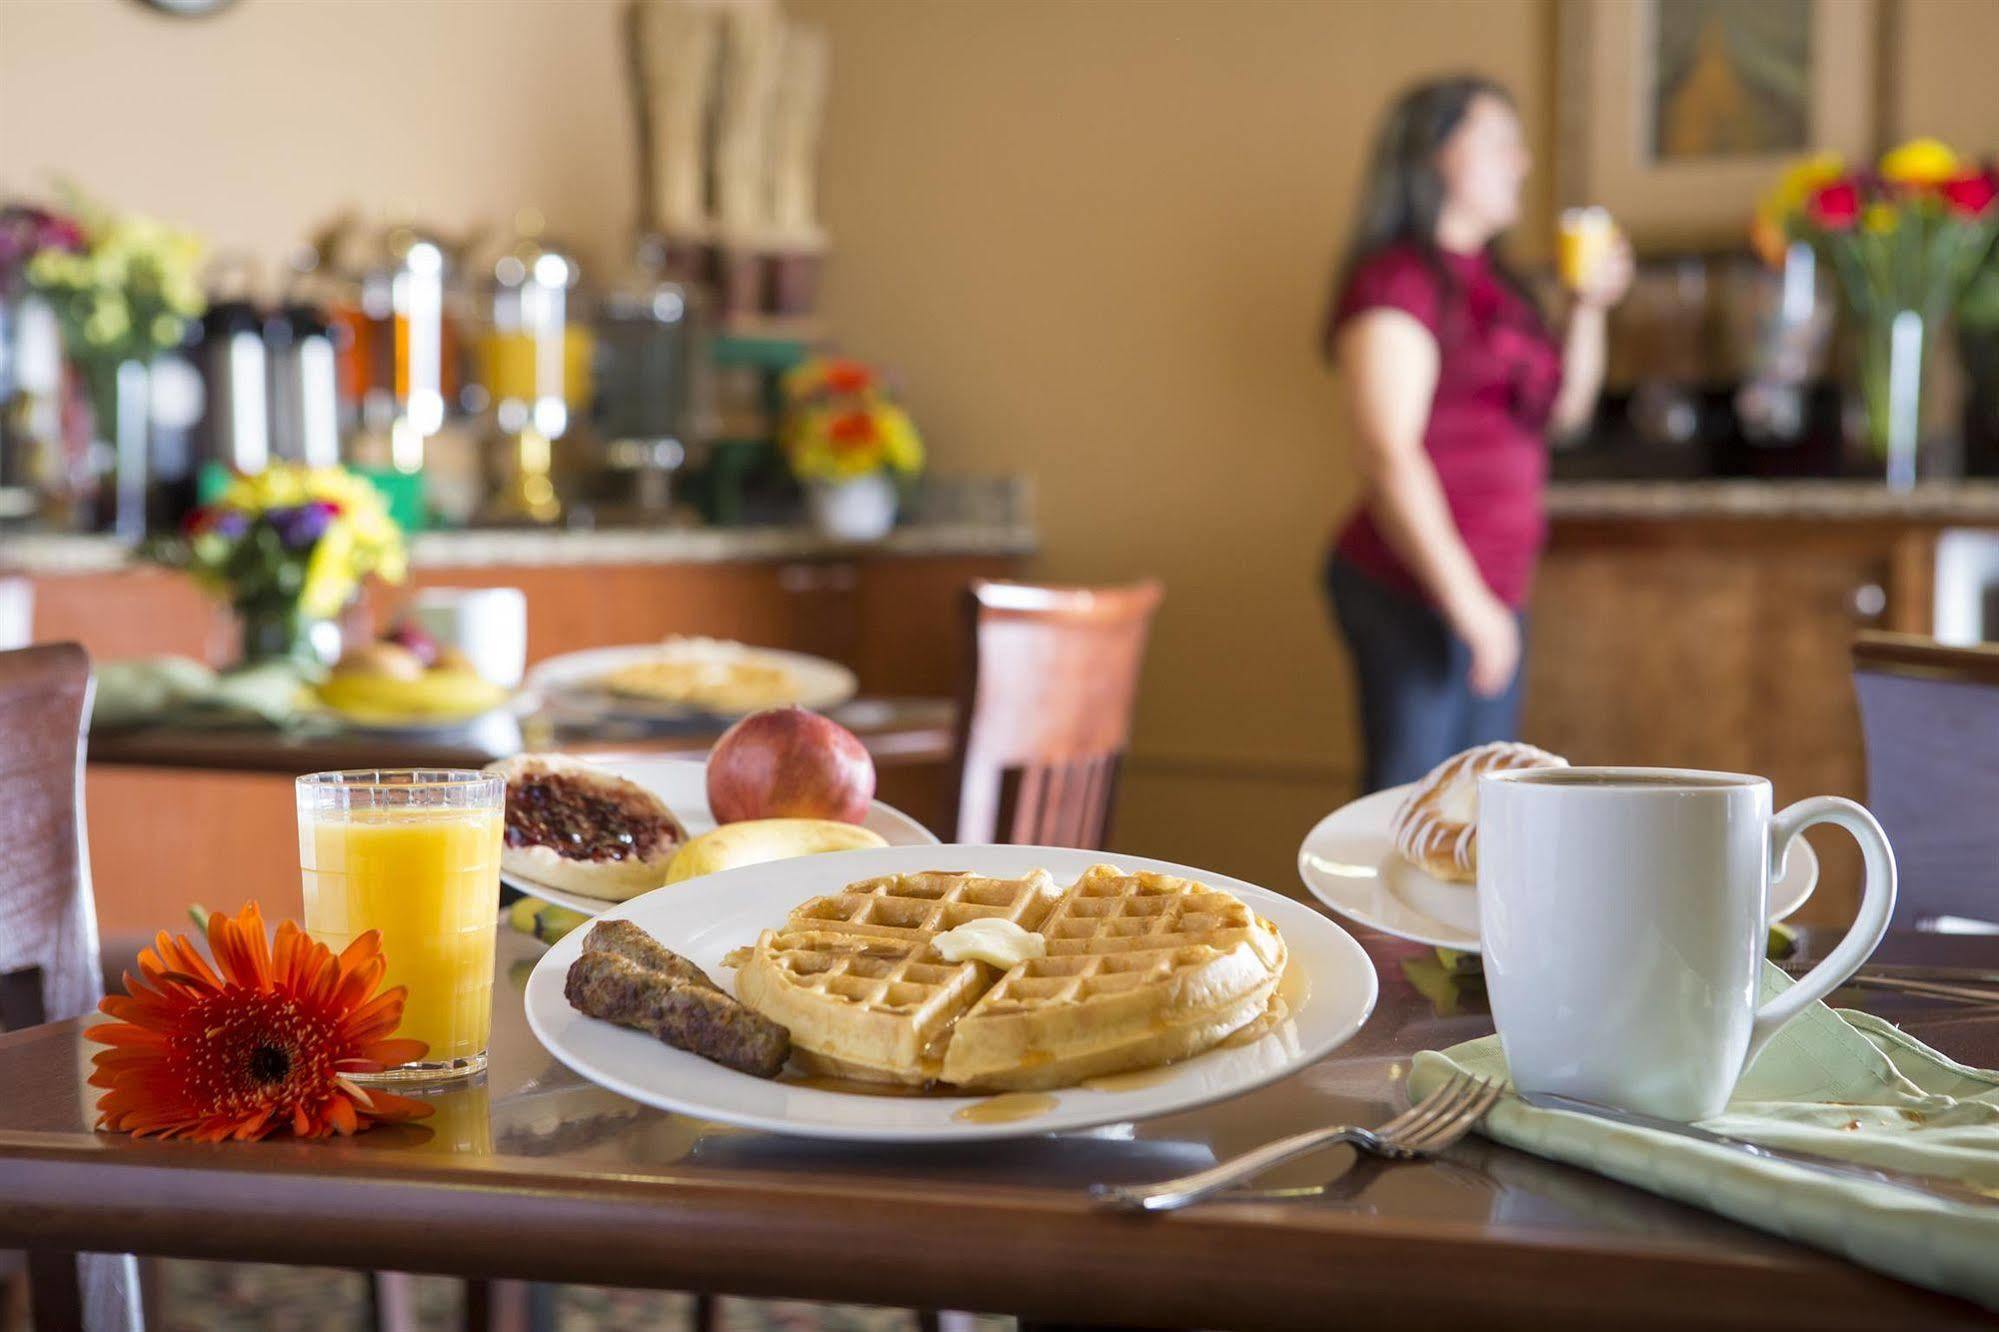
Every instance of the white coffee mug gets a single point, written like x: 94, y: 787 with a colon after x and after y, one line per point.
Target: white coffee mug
x: 488, y: 624
x: 1623, y: 916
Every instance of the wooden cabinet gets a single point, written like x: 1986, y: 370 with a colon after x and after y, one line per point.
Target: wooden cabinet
x: 1722, y: 644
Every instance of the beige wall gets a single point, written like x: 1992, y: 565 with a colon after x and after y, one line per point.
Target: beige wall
x: 257, y: 124
x: 1091, y: 237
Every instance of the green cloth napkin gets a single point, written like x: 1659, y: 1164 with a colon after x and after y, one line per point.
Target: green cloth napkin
x: 147, y: 690
x: 1835, y: 1083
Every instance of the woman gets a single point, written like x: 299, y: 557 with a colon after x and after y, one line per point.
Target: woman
x: 1454, y: 381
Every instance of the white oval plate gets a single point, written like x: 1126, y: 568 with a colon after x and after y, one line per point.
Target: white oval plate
x: 1349, y: 862
x: 683, y: 785
x: 704, y: 918
x: 573, y: 677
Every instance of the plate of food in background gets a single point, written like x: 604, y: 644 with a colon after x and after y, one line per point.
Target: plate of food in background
x: 948, y: 993
x: 407, y: 681
x: 693, y: 678
x: 1405, y: 860
x: 781, y: 783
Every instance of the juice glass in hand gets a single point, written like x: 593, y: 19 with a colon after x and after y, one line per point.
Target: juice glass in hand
x: 1583, y: 240
x: 415, y: 854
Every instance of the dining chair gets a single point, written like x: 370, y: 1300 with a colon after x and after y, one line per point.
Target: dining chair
x: 1930, y: 716
x: 1045, y: 709
x: 48, y: 943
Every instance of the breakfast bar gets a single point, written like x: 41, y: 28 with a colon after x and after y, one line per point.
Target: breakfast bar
x: 842, y: 666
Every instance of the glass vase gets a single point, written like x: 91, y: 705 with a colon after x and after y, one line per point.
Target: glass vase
x: 1892, y: 354
x: 282, y: 631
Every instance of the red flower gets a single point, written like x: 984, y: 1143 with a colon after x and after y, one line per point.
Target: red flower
x: 851, y: 430
x: 843, y: 376
x: 263, y: 1041
x: 1971, y: 194
x: 1835, y: 207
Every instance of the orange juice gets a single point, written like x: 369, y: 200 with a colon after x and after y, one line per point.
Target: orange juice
x: 429, y: 880
x: 1582, y: 241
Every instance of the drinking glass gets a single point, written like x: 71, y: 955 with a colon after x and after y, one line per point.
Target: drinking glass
x: 415, y: 854
x: 1583, y: 237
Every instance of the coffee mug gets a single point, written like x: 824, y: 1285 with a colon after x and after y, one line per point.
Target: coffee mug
x: 488, y: 624
x: 1623, y: 915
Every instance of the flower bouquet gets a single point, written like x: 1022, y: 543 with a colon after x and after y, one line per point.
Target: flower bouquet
x: 1905, y: 238
x: 849, y: 443
x: 288, y: 547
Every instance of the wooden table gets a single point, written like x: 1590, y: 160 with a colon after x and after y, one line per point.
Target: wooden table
x: 535, y: 1174
x: 895, y: 730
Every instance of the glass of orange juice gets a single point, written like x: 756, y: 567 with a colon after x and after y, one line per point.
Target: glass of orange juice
x: 1583, y: 238
x: 415, y: 854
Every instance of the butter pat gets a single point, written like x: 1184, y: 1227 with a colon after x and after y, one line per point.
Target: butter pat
x: 996, y: 942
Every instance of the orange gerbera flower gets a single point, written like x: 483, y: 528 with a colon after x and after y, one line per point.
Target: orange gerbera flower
x: 268, y: 1044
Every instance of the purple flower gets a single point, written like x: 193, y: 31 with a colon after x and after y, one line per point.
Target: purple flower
x: 300, y: 528
x: 229, y: 523
x: 25, y: 231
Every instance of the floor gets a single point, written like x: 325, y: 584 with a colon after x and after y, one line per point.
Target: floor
x: 242, y: 1297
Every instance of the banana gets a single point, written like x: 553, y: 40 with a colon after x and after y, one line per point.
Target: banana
x: 754, y: 841
x: 442, y: 695
x: 543, y: 920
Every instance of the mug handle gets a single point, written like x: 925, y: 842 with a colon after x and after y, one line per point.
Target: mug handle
x: 1877, y: 903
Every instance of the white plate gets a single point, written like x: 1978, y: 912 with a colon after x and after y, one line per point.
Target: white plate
x: 1349, y: 862
x: 683, y: 785
x: 703, y: 919
x: 573, y: 677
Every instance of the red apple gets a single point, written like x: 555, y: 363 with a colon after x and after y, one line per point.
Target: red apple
x: 787, y: 763
x: 415, y: 638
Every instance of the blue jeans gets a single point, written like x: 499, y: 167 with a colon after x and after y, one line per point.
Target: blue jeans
x: 1416, y: 707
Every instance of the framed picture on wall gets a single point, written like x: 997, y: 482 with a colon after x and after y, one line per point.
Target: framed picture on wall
x: 1677, y: 114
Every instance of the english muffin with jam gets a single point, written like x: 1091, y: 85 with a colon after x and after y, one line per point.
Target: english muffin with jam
x: 575, y: 826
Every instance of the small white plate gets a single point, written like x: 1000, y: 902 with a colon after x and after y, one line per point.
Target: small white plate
x: 1349, y: 862
x: 683, y: 785
x: 573, y: 679
x: 705, y: 918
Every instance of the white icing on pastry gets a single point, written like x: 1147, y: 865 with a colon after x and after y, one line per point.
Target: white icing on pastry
x: 1436, y: 827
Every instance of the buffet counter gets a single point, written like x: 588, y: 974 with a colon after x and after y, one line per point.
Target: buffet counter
x: 481, y: 548
x: 1947, y: 503
x: 1709, y: 624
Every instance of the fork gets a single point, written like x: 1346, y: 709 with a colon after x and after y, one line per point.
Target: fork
x: 1423, y: 1130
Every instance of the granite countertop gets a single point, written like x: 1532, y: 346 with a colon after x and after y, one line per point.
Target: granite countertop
x: 1967, y: 502
x: 75, y: 554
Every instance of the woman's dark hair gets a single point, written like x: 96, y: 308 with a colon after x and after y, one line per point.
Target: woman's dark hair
x: 1403, y: 192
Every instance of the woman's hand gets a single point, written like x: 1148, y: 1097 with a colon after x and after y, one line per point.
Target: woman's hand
x: 1490, y: 630
x: 1609, y: 277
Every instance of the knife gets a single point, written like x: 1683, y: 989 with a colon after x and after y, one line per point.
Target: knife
x: 1935, y: 1186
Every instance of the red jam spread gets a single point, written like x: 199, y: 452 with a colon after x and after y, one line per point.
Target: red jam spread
x: 581, y: 820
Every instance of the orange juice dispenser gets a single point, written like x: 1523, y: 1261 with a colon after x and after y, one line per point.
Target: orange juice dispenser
x: 532, y: 362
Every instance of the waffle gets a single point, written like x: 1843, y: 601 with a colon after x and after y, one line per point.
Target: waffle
x: 854, y: 978
x: 1141, y: 969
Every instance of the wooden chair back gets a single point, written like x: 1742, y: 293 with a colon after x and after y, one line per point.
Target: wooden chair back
x: 48, y: 944
x: 49, y: 966
x: 1045, y: 709
x: 1930, y: 714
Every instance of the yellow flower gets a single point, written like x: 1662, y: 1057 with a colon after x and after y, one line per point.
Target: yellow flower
x: 1919, y: 162
x: 1880, y: 218
x: 1802, y: 179
x: 902, y: 447
x: 329, y: 575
